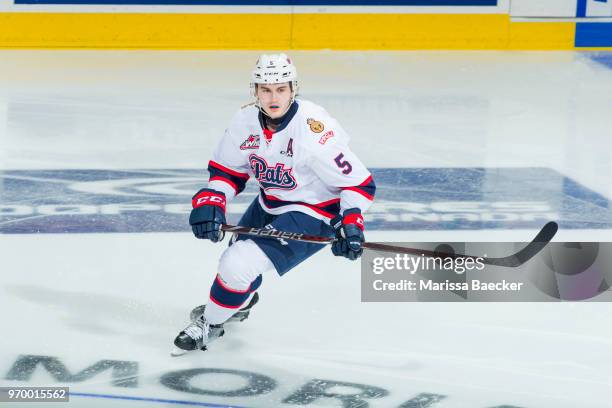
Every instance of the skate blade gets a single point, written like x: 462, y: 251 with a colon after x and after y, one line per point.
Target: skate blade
x: 177, y: 352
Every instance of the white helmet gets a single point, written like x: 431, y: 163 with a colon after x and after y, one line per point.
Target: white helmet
x: 274, y: 69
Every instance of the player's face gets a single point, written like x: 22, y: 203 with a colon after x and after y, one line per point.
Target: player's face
x: 274, y: 99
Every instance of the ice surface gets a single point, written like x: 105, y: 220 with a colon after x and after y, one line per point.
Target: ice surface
x: 77, y: 299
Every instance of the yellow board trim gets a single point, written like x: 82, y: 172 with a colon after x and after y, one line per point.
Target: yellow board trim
x: 281, y: 31
x: 541, y: 36
x: 400, y: 31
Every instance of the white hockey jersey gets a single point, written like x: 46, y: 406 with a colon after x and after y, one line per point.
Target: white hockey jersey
x: 305, y: 165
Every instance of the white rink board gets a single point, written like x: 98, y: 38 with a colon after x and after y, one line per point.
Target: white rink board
x: 543, y: 8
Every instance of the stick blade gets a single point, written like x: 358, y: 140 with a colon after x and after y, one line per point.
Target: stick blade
x: 545, y: 235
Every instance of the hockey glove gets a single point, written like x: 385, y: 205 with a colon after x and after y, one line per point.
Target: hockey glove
x: 208, y: 214
x: 349, y: 234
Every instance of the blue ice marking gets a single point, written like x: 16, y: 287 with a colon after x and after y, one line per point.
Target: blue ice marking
x: 604, y: 58
x: 157, y: 400
x: 77, y: 201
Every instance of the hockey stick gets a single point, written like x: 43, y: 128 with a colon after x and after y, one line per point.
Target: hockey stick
x: 545, y: 235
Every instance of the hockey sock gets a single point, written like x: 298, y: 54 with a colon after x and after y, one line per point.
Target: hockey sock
x: 225, y: 301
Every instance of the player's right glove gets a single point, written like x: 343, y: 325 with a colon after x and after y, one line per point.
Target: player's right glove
x: 208, y: 214
x: 349, y: 234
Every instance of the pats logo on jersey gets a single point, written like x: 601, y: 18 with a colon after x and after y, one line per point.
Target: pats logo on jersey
x: 252, y: 142
x: 315, y: 125
x: 269, y: 177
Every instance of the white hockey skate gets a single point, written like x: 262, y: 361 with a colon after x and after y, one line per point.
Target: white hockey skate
x: 196, y: 336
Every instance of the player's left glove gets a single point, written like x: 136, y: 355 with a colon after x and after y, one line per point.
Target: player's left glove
x: 349, y: 234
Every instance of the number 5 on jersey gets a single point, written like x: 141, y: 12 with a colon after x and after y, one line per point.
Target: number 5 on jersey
x: 343, y: 164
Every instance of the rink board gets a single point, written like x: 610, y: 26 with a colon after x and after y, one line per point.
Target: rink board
x: 138, y: 30
x: 74, y: 201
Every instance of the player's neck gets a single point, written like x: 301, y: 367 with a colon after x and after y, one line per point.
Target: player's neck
x: 273, y: 123
x: 277, y: 124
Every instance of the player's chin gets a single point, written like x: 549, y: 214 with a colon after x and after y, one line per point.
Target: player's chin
x: 274, y: 112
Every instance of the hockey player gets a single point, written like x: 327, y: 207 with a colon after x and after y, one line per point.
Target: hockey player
x: 310, y: 182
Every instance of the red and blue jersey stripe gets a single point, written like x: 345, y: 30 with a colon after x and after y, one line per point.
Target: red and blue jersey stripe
x: 234, y: 178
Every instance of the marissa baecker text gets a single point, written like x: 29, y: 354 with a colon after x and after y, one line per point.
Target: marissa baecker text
x: 429, y: 285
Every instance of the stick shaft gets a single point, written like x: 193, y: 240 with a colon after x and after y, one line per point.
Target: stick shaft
x: 539, y: 242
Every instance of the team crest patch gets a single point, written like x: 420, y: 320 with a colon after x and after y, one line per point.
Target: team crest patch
x: 315, y: 125
x: 252, y: 142
x: 272, y: 176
